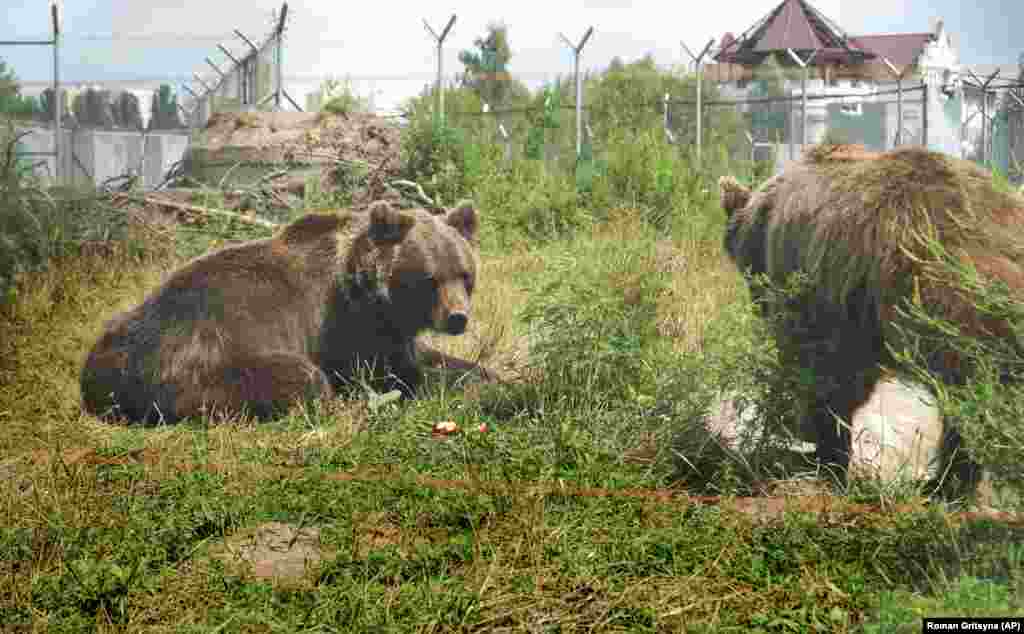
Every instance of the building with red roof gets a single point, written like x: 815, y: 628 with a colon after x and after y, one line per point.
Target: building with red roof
x: 797, y: 25
x: 856, y: 69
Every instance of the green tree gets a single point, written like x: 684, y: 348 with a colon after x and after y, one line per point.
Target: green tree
x: 8, y: 82
x: 338, y: 97
x: 164, y: 113
x: 12, y: 102
x: 487, y: 66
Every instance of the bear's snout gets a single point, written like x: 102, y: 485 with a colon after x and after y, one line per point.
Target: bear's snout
x: 451, y: 310
x: 456, y: 323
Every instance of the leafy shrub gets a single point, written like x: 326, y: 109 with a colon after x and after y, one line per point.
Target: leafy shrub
x: 340, y: 99
x: 526, y: 202
x: 594, y: 316
x: 38, y: 224
x: 434, y: 155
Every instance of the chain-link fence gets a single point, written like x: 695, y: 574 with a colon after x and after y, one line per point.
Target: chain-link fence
x: 766, y: 112
x: 769, y: 112
x: 252, y: 83
x: 538, y: 124
x: 992, y: 124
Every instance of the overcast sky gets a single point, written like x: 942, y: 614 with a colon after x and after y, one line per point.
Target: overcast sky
x: 385, y: 47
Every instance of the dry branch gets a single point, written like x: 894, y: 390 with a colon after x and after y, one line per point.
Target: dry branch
x: 419, y: 190
x: 195, y: 209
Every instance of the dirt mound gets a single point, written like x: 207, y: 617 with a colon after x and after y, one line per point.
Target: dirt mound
x: 353, y: 137
x: 355, y: 150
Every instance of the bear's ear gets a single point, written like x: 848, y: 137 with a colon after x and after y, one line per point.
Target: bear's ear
x: 463, y: 218
x: 734, y: 195
x: 389, y: 225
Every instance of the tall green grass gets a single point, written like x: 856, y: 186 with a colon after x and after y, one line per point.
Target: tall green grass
x: 39, y: 224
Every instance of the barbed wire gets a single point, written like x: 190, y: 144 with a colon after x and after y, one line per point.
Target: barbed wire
x: 429, y: 78
x: 144, y: 37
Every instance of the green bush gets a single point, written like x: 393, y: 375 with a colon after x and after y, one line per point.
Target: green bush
x: 526, y: 202
x: 38, y: 224
x: 593, y: 317
x: 434, y: 154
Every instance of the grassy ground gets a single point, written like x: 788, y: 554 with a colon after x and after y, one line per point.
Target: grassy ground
x: 544, y: 522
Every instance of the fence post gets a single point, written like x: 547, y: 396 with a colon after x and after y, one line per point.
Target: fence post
x: 924, y: 112
x: 577, y: 49
x: 805, y: 65
x: 279, y: 56
x: 1012, y: 132
x: 697, y: 61
x: 55, y: 43
x: 792, y: 135
x: 508, y: 142
x: 898, y: 140
x: 668, y: 133
x: 983, y: 86
x: 58, y: 144
x: 439, y: 86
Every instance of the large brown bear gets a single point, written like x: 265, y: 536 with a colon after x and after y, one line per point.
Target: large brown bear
x: 256, y: 326
x: 856, y: 223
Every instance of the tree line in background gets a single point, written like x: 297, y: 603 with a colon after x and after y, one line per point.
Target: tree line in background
x: 94, y: 108
x: 620, y: 102
x: 512, y: 147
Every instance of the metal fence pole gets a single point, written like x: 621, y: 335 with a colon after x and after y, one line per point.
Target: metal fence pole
x: 279, y: 55
x: 698, y: 63
x: 668, y: 130
x: 792, y: 136
x: 898, y: 140
x: 983, y: 86
x: 804, y: 64
x: 439, y: 86
x: 924, y: 113
x: 577, y: 50
x: 58, y: 172
x: 579, y: 104
x: 56, y: 153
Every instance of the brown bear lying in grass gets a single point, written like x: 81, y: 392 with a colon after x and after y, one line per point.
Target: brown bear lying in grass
x: 856, y: 223
x: 256, y: 326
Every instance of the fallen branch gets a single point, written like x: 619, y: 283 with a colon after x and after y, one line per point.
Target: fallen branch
x: 271, y: 176
x: 422, y: 195
x: 224, y: 178
x: 340, y: 161
x: 194, y: 209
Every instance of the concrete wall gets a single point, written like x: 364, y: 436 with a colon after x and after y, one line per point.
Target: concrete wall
x: 97, y: 155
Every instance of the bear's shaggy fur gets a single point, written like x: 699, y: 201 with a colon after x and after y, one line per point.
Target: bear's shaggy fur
x: 258, y: 325
x: 857, y: 224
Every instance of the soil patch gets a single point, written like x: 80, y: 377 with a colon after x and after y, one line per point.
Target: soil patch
x: 332, y: 150
x: 272, y: 551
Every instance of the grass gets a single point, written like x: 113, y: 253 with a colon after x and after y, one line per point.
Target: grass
x: 577, y: 509
x: 117, y: 529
